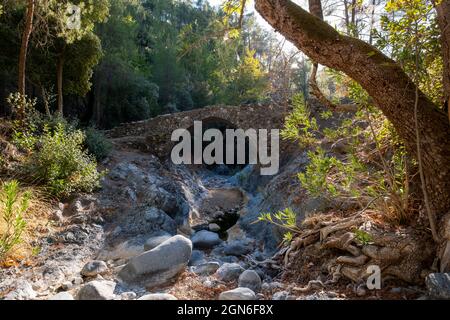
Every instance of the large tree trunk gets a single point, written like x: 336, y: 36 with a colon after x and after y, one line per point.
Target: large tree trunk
x: 443, y: 11
x: 385, y: 81
x: 24, y: 46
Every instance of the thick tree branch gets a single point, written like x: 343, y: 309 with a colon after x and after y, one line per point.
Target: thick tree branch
x: 384, y: 80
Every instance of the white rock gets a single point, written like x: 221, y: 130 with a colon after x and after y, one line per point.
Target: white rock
x: 62, y: 296
x: 23, y: 291
x: 97, y: 290
x: 238, y: 294
x: 158, y: 296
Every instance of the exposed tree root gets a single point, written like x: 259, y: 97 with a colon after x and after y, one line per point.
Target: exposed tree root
x: 401, y: 254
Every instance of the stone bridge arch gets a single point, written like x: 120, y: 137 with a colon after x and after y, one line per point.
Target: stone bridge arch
x: 154, y: 135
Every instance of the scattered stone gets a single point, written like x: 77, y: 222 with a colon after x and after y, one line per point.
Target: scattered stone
x: 197, y: 258
x: 269, y: 286
x: 206, y: 268
x: 153, y: 242
x: 23, y: 291
x: 159, y: 218
x: 229, y: 259
x: 209, y: 283
x: 94, y: 268
x: 205, y: 239
x: 66, y: 285
x: 97, y: 290
x: 214, y: 227
x: 229, y: 272
x: 159, y: 265
x: 438, y: 285
x: 238, y: 294
x: 128, y: 295
x: 158, y: 296
x: 283, y: 295
x: 250, y: 279
x: 62, y: 296
x: 360, y: 291
x: 238, y: 248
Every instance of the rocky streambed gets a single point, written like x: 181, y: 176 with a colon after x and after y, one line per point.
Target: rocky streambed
x: 154, y: 231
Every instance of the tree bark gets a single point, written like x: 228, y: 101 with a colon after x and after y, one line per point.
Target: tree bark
x: 391, y: 89
x: 24, y: 46
x: 443, y: 13
x: 315, y: 8
x: 59, y: 80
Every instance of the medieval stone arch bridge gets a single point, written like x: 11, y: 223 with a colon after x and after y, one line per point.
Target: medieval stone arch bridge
x: 154, y: 135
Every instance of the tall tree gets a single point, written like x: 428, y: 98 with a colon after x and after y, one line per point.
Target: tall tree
x: 443, y: 12
x: 24, y: 47
x: 389, y: 86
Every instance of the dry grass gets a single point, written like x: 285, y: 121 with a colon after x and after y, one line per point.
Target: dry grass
x: 190, y: 287
x: 38, y: 225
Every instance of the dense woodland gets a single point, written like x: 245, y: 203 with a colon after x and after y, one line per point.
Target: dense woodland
x: 136, y: 59
x: 368, y: 82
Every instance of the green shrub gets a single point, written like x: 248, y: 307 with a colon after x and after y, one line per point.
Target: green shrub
x: 300, y: 125
x: 285, y: 219
x: 61, y: 162
x: 13, y: 206
x: 363, y: 237
x: 97, y: 144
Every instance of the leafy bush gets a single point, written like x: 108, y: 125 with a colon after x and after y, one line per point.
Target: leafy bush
x: 97, y: 144
x: 299, y: 125
x: 285, y: 219
x: 20, y: 104
x: 13, y: 206
x: 62, y: 164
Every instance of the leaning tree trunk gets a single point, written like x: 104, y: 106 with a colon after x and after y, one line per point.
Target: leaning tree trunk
x: 443, y: 12
x: 385, y: 81
x: 24, y: 48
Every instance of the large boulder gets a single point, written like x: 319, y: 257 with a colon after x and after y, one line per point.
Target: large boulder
x: 155, y: 241
x: 250, y: 279
x: 438, y: 285
x: 238, y: 294
x: 97, y: 290
x: 205, y: 239
x: 229, y: 272
x: 159, y: 265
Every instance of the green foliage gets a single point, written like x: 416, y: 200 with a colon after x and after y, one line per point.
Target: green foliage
x: 363, y: 237
x: 300, y: 125
x: 20, y: 104
x: 61, y: 163
x: 14, y: 204
x: 97, y: 143
x: 285, y: 219
x: 411, y: 27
